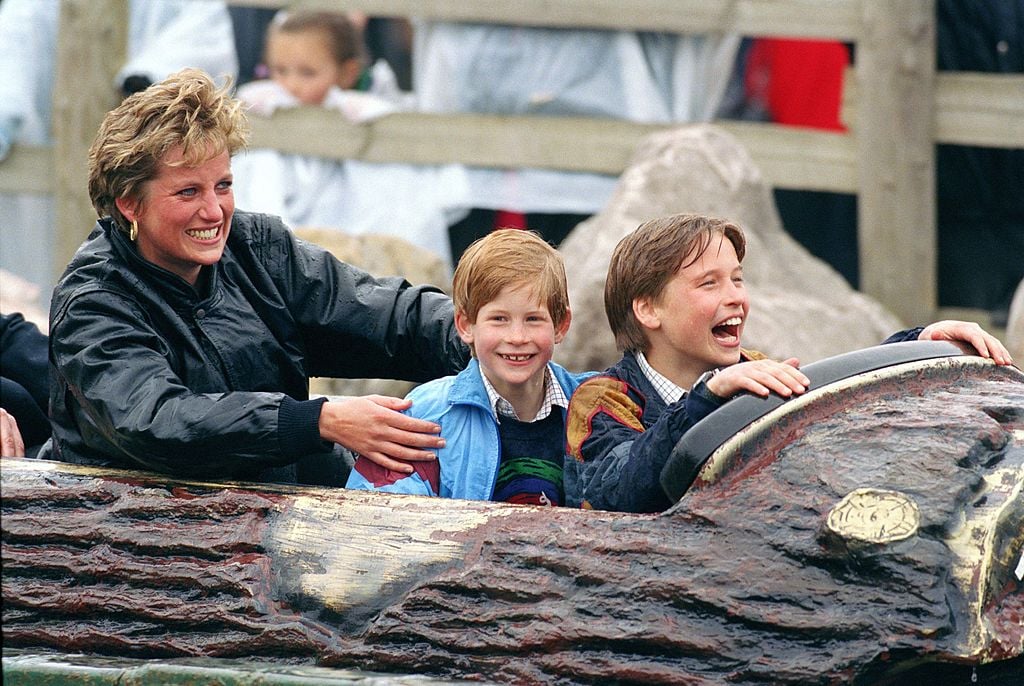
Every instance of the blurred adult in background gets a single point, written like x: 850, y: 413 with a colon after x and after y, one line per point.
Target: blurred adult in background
x: 980, y: 202
x: 167, y: 35
x: 980, y: 209
x: 800, y: 83
x: 28, y: 46
x: 637, y: 76
x: 250, y: 28
x: 183, y: 333
x: 390, y: 39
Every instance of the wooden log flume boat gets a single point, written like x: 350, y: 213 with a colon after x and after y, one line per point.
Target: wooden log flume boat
x: 871, y: 531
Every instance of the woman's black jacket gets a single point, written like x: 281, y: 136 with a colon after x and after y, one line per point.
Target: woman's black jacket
x: 148, y: 372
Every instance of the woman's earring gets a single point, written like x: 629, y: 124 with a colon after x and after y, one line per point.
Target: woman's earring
x: 134, y: 233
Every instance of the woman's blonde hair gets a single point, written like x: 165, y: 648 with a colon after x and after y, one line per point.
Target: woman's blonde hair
x: 187, y: 109
x: 510, y: 257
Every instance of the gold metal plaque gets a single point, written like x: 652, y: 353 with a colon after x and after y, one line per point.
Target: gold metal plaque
x: 874, y: 515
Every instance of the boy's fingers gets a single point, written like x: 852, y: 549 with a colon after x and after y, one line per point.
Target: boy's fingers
x: 784, y: 379
x: 993, y: 348
x: 970, y: 333
x: 800, y: 379
x: 763, y: 377
x: 1004, y: 355
x: 788, y: 375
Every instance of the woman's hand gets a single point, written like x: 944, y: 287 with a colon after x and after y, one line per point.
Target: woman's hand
x: 760, y: 377
x: 11, y: 443
x: 374, y: 427
x: 977, y: 340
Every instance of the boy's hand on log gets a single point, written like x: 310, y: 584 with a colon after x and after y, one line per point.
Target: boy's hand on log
x: 760, y: 377
x: 373, y: 426
x: 970, y: 337
x: 11, y: 443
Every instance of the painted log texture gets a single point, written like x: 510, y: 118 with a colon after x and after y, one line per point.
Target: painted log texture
x: 741, y: 582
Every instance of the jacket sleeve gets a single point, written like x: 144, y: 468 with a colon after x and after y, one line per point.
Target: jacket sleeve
x: 359, y: 326
x: 615, y: 462
x: 23, y: 349
x: 905, y: 335
x: 369, y: 476
x: 126, y: 401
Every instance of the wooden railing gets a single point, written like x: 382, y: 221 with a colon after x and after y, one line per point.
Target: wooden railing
x: 896, y: 108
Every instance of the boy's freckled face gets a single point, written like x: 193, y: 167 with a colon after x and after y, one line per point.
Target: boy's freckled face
x: 513, y: 338
x: 701, y: 314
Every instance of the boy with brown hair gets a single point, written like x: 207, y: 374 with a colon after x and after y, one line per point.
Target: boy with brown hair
x: 677, y: 305
x: 503, y: 417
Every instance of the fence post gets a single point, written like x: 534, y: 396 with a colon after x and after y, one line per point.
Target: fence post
x: 93, y: 38
x: 895, y: 68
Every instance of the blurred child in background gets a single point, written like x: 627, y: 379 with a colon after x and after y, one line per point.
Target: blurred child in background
x: 317, y: 58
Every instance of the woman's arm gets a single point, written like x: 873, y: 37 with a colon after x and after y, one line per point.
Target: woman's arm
x: 374, y: 427
x: 355, y: 325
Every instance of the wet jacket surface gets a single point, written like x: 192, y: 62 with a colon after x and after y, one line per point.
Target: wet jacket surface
x: 148, y: 372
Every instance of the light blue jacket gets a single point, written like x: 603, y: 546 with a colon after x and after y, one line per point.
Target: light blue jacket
x: 469, y: 461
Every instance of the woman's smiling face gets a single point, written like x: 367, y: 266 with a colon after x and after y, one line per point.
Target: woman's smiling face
x: 184, y: 215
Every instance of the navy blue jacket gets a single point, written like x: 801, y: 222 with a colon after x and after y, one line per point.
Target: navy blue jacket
x: 620, y: 434
x: 24, y: 389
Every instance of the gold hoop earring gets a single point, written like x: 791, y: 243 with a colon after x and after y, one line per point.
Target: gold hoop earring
x: 134, y: 232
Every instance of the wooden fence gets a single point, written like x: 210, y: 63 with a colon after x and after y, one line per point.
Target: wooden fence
x: 896, y: 108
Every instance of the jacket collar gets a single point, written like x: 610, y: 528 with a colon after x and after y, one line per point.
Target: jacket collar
x: 468, y: 386
x: 173, y: 286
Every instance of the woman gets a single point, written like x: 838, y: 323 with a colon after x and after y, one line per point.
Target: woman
x: 183, y: 333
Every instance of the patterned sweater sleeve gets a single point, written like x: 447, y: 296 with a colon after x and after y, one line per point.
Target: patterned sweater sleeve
x: 615, y: 462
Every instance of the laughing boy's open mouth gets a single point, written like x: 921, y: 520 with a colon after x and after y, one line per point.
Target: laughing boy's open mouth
x: 728, y: 329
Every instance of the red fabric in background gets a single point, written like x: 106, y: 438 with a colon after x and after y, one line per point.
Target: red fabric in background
x: 505, y: 219
x: 799, y: 82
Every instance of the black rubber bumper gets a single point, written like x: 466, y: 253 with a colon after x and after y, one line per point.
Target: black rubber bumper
x: 697, y: 444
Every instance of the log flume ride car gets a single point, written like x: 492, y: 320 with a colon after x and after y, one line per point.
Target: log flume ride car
x: 870, y: 531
